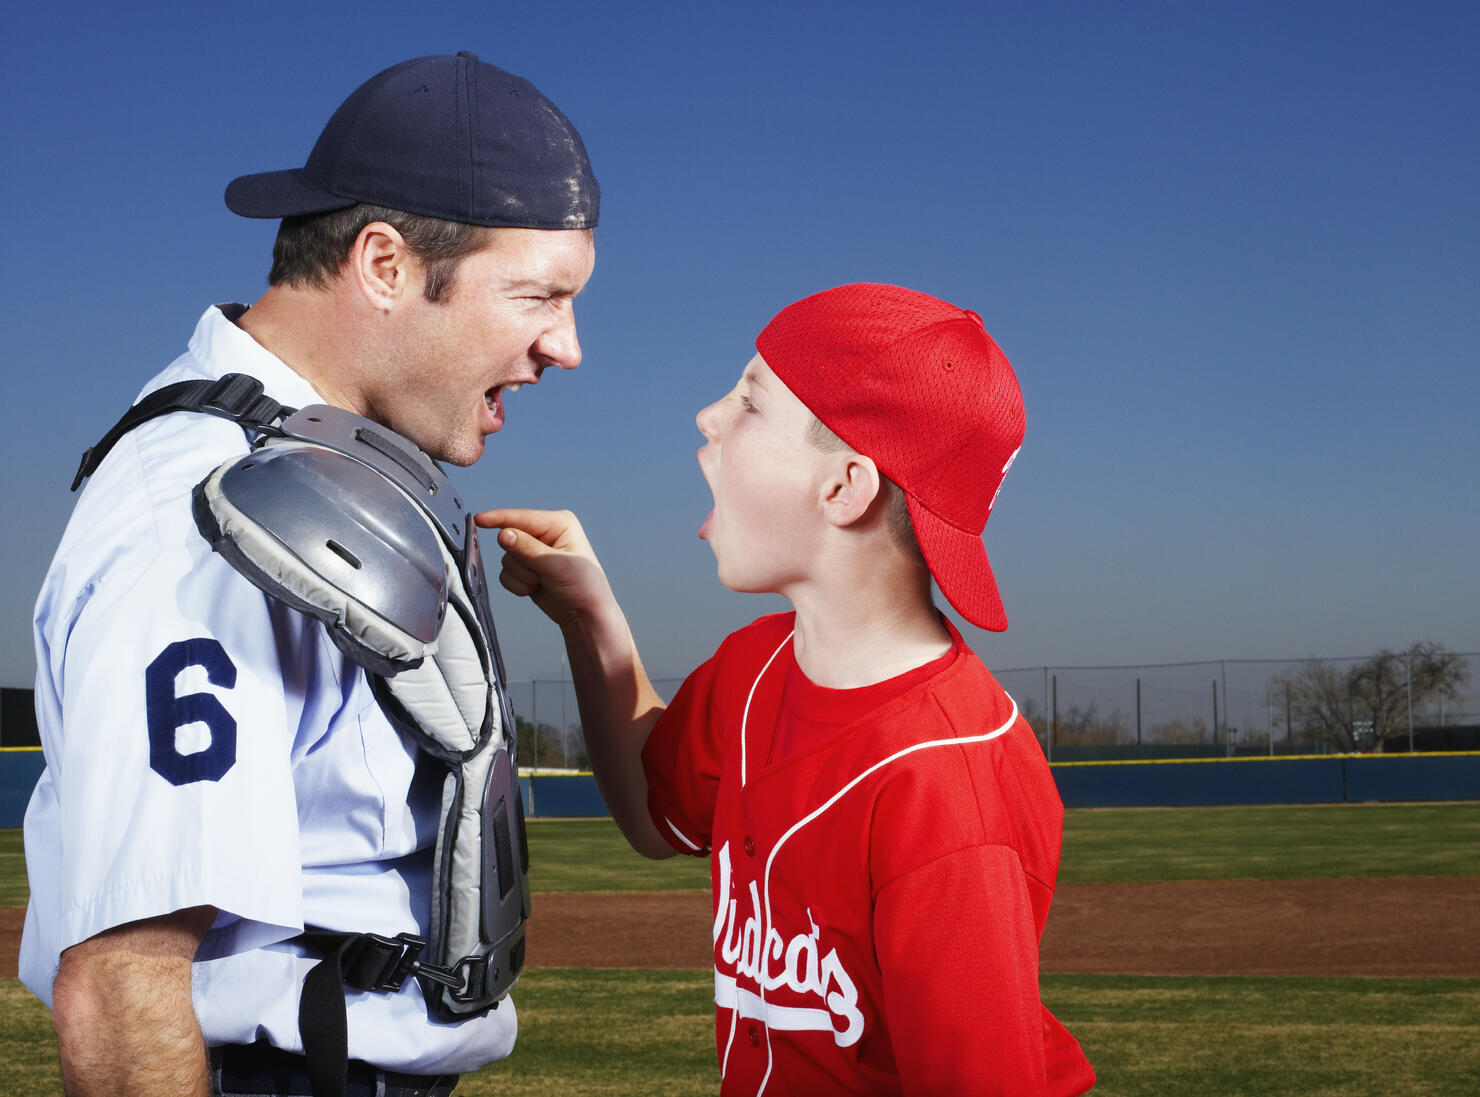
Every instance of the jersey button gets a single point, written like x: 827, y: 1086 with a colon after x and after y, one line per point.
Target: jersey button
x: 750, y: 852
x: 755, y: 1036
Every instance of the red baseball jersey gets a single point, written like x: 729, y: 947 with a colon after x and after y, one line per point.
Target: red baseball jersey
x: 882, y: 865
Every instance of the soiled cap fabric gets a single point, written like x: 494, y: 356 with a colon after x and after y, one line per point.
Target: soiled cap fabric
x: 447, y: 137
x: 920, y: 387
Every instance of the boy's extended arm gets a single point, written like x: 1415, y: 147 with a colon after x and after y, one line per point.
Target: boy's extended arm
x: 548, y: 559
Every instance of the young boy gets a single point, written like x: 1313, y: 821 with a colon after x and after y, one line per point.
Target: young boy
x: 885, y: 831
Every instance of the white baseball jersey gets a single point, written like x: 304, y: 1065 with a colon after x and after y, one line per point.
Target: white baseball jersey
x: 208, y: 746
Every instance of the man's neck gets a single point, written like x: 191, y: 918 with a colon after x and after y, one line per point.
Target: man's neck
x: 300, y: 328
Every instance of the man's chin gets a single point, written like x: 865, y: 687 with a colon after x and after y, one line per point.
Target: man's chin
x: 464, y: 458
x: 461, y: 454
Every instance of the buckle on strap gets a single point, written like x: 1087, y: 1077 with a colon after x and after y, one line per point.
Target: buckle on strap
x: 240, y: 397
x: 234, y: 396
x: 372, y: 961
x: 375, y: 962
x: 470, y: 973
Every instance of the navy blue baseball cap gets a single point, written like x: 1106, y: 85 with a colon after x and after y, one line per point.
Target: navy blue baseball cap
x: 448, y: 137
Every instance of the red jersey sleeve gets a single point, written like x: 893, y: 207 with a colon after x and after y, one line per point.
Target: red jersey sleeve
x: 685, y: 751
x: 957, y: 943
x: 682, y: 761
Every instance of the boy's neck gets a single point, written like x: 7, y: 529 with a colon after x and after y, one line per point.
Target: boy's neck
x: 853, y: 635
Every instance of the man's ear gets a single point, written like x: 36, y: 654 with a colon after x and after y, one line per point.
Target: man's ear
x: 382, y: 266
x: 850, y: 489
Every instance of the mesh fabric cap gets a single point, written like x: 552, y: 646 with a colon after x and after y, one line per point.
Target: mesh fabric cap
x: 920, y: 387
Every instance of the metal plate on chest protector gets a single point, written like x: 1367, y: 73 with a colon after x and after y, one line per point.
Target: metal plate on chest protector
x: 392, y: 455
x: 350, y: 526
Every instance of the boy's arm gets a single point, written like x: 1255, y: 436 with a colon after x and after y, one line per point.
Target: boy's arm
x: 548, y: 559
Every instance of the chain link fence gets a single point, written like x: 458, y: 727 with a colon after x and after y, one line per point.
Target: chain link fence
x: 550, y: 738
x: 1419, y: 700
x: 1424, y: 699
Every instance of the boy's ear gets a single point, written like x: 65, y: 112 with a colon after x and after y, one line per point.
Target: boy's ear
x: 849, y: 489
x: 381, y: 265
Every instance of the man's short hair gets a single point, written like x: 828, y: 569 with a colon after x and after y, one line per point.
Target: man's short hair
x: 896, y: 509
x: 310, y: 250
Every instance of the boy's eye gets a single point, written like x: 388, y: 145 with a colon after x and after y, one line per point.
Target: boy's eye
x: 746, y: 404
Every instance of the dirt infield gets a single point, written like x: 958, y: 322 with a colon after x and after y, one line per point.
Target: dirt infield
x: 1398, y: 927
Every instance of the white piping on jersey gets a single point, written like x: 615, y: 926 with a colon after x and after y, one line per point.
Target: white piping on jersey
x: 683, y: 837
x: 745, y: 717
x: 764, y: 1007
x: 744, y: 721
x: 734, y: 1024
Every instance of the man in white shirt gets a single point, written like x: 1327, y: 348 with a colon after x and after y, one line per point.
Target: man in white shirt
x: 219, y: 774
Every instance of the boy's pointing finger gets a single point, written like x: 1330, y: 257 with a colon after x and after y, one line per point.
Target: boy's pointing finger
x: 519, y: 545
x: 545, y: 526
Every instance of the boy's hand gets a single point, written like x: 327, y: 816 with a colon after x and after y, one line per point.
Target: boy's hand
x: 548, y: 560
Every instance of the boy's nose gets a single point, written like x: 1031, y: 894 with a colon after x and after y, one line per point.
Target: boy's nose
x: 706, y: 421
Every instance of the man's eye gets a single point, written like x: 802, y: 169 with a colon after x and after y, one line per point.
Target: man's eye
x: 746, y: 404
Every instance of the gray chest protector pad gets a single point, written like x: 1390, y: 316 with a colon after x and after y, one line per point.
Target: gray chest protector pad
x: 351, y: 523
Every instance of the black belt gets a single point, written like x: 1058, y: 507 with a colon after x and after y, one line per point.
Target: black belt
x: 261, y: 1068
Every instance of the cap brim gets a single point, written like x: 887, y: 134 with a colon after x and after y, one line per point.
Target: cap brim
x: 280, y: 194
x: 958, y: 564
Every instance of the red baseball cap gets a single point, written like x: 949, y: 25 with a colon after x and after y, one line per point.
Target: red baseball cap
x: 919, y: 386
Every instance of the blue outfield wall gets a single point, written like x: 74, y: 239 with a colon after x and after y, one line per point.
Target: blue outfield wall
x: 1199, y: 783
x: 20, y: 768
x: 1205, y: 782
x: 1327, y: 779
x: 1413, y: 777
x: 562, y: 796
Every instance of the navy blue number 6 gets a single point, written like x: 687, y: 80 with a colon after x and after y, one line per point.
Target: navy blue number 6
x: 169, y: 712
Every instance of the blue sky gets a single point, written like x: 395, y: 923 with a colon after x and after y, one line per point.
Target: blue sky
x: 1232, y: 250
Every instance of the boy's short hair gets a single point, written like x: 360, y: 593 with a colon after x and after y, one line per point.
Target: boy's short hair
x: 919, y: 386
x: 896, y: 508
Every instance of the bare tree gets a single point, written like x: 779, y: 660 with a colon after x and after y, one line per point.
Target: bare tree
x: 1086, y: 727
x: 1388, y: 683
x: 1180, y: 731
x: 1319, y: 702
x: 1029, y: 710
x: 1332, y: 705
x: 546, y: 746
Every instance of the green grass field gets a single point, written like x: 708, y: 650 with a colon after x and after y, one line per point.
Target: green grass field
x: 1113, y: 845
x: 649, y: 1032
x: 1271, y: 843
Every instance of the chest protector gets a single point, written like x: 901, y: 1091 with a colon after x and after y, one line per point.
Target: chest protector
x: 351, y: 523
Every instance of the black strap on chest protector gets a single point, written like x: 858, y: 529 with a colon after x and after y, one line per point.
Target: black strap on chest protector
x: 364, y: 961
x: 235, y: 396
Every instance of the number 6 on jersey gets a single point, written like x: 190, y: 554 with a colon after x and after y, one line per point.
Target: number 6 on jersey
x: 168, y: 712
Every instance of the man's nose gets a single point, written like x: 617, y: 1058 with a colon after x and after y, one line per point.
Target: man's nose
x: 559, y: 345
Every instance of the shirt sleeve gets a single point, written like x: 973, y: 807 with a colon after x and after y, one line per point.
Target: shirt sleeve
x: 958, y: 951
x: 682, y: 759
x: 171, y: 754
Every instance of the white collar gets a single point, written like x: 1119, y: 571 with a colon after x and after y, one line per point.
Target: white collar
x: 220, y: 347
